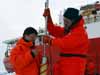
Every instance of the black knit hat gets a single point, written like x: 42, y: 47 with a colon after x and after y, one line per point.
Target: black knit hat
x: 30, y: 30
x: 71, y: 13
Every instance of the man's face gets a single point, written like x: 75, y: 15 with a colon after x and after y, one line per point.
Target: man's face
x: 67, y: 23
x: 30, y: 37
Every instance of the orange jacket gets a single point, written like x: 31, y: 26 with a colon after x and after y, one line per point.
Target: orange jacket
x: 75, y: 42
x: 22, y: 60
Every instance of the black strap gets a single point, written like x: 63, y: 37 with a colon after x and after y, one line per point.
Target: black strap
x: 73, y: 55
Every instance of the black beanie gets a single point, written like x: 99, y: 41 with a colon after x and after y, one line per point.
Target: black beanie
x: 30, y: 30
x: 71, y: 13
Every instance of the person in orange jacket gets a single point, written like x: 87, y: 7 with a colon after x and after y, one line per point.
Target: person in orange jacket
x: 24, y: 55
x: 72, y: 40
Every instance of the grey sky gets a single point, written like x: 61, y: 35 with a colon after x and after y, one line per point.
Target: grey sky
x: 16, y: 15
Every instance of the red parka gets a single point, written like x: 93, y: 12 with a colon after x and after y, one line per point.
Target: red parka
x: 22, y: 60
x: 75, y: 42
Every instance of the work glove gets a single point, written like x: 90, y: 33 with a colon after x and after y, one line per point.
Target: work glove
x: 47, y: 40
x: 37, y: 50
x: 46, y: 12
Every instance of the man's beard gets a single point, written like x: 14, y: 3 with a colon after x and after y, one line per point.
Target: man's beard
x: 66, y: 30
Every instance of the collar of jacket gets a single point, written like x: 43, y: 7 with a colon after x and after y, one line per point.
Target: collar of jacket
x: 23, y: 42
x: 80, y: 23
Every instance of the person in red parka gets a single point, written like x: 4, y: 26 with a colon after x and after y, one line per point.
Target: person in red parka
x: 72, y: 40
x: 23, y: 56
